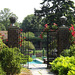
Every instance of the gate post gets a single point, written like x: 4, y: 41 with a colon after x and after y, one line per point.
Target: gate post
x: 13, y: 33
x: 62, y: 36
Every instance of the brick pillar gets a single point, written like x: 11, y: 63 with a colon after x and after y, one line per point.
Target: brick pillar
x: 62, y: 39
x: 13, y: 33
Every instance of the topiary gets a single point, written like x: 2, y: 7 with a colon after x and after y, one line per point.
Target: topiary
x: 10, y: 59
x: 30, y: 34
x: 27, y: 45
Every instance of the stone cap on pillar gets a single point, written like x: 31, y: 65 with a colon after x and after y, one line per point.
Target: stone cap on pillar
x: 12, y: 20
x: 63, y: 19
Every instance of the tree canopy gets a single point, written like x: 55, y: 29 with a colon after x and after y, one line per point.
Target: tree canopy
x: 5, y: 14
x: 52, y: 10
x: 30, y: 23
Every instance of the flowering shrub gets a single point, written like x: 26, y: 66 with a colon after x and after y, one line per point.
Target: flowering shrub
x: 47, y: 28
x: 54, y: 26
x: 21, y: 38
x: 44, y: 31
x: 72, y: 34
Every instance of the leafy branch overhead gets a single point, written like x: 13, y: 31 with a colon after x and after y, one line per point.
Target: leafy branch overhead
x: 52, y: 10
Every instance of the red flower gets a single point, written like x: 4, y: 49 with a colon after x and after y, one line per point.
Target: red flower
x: 21, y: 30
x: 20, y: 45
x: 41, y: 36
x: 46, y: 25
x: 69, y: 29
x: 7, y: 40
x: 72, y: 33
x: 72, y: 28
x: 21, y: 40
x: 2, y: 35
x: 24, y: 37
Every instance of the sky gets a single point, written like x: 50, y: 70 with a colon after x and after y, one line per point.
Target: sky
x: 21, y: 8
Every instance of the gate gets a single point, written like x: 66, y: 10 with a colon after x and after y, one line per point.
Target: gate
x: 49, y: 43
x: 51, y: 46
x: 38, y: 43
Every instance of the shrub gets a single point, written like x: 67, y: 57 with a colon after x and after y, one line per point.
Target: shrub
x: 2, y: 45
x: 29, y: 34
x: 25, y: 59
x: 64, y: 65
x: 10, y: 59
x: 1, y: 71
x: 69, y: 52
x: 27, y: 45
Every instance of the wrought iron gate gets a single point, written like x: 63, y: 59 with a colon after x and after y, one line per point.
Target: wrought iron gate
x: 51, y: 47
x: 49, y: 43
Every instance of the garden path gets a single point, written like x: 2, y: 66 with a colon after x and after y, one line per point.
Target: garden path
x: 40, y: 69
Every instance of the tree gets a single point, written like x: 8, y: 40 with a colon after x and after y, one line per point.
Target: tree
x: 31, y: 23
x: 2, y: 27
x: 52, y: 10
x: 5, y: 14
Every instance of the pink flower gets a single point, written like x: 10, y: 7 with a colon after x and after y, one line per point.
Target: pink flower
x: 72, y: 33
x: 72, y: 28
x: 46, y: 25
x: 54, y: 24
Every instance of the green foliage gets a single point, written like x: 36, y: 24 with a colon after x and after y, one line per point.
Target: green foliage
x: 43, y: 52
x: 53, y: 44
x: 25, y: 59
x: 34, y: 52
x: 5, y: 14
x: 10, y: 59
x: 30, y: 23
x: 64, y: 65
x: 2, y: 27
x: 29, y: 35
x: 27, y: 45
x: 2, y: 45
x: 69, y: 52
x: 1, y: 71
x: 54, y: 9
